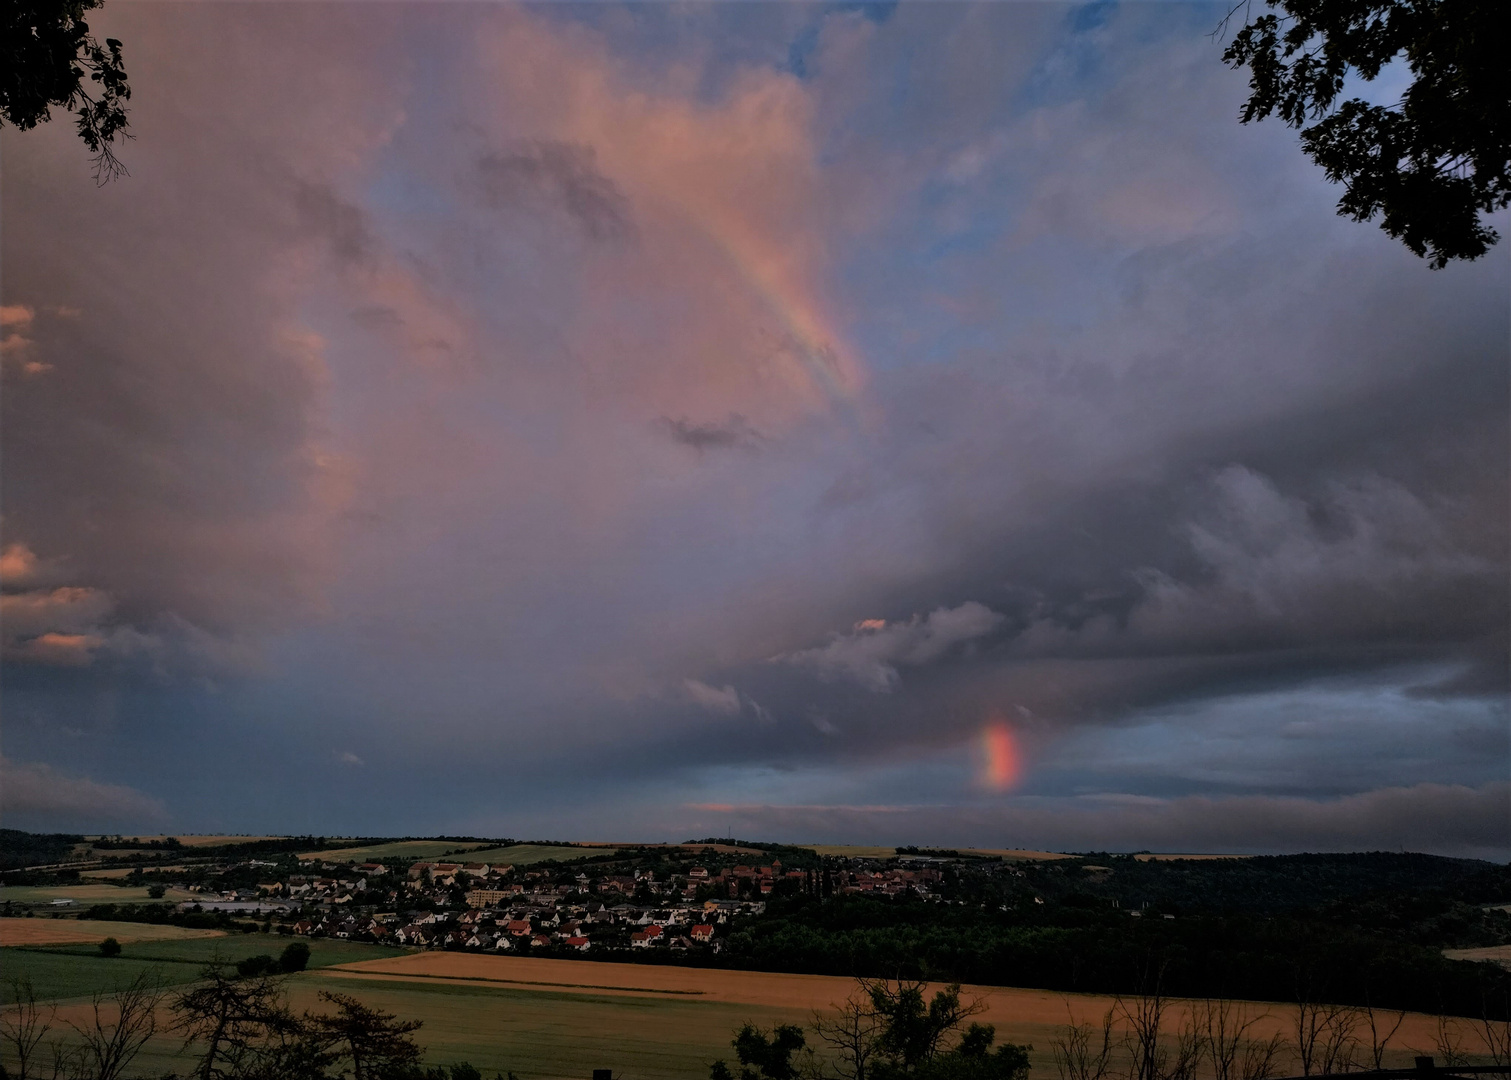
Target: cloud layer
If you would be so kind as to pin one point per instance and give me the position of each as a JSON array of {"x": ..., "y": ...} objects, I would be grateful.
[{"x": 602, "y": 406}]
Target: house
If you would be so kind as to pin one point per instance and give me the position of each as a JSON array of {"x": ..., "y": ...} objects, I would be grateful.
[
  {"x": 519, "y": 928},
  {"x": 303, "y": 927},
  {"x": 503, "y": 942},
  {"x": 643, "y": 939},
  {"x": 581, "y": 944},
  {"x": 540, "y": 941},
  {"x": 697, "y": 873},
  {"x": 413, "y": 935},
  {"x": 703, "y": 932}
]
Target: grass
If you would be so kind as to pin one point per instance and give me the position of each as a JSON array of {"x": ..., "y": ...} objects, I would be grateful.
[
  {"x": 544, "y": 1034},
  {"x": 516, "y": 854},
  {"x": 399, "y": 849},
  {"x": 98, "y": 893},
  {"x": 528, "y": 854},
  {"x": 43, "y": 932},
  {"x": 60, "y": 972}
]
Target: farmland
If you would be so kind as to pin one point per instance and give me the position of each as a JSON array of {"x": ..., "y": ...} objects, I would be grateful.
[
  {"x": 520, "y": 854},
  {"x": 544, "y": 1018},
  {"x": 72, "y": 971},
  {"x": 398, "y": 849},
  {"x": 100, "y": 893},
  {"x": 79, "y": 931}
]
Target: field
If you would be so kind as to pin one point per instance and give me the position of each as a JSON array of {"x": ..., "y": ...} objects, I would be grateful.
[
  {"x": 91, "y": 931},
  {"x": 75, "y": 971},
  {"x": 1500, "y": 954},
  {"x": 528, "y": 854},
  {"x": 561, "y": 1018},
  {"x": 115, "y": 873},
  {"x": 517, "y": 854},
  {"x": 860, "y": 851},
  {"x": 86, "y": 894},
  {"x": 198, "y": 841}
]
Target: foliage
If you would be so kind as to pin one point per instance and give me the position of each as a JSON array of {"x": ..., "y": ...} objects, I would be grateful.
[
  {"x": 48, "y": 58},
  {"x": 110, "y": 947},
  {"x": 377, "y": 1043},
  {"x": 242, "y": 1023},
  {"x": 296, "y": 957},
  {"x": 765, "y": 1056},
  {"x": 18, "y": 848},
  {"x": 1430, "y": 165}
]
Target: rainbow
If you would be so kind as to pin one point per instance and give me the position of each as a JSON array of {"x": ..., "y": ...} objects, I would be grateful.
[
  {"x": 1002, "y": 760},
  {"x": 830, "y": 366}
]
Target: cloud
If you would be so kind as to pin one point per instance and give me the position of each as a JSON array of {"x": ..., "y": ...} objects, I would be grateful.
[
  {"x": 17, "y": 315},
  {"x": 34, "y": 795},
  {"x": 714, "y": 699},
  {"x": 734, "y": 432},
  {"x": 346, "y": 757},
  {"x": 1443, "y": 819},
  {"x": 560, "y": 174},
  {"x": 18, "y": 565},
  {"x": 870, "y": 654}
]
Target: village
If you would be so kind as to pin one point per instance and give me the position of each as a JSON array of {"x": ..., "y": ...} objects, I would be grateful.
[{"x": 503, "y": 908}]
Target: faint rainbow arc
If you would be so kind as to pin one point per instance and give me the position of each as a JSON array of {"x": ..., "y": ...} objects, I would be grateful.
[{"x": 827, "y": 358}]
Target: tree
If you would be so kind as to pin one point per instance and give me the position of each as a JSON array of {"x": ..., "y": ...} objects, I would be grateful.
[
  {"x": 233, "y": 1018},
  {"x": 1432, "y": 164},
  {"x": 119, "y": 1026},
  {"x": 49, "y": 58},
  {"x": 763, "y": 1056},
  {"x": 295, "y": 957},
  {"x": 110, "y": 947},
  {"x": 22, "y": 1027},
  {"x": 378, "y": 1043},
  {"x": 912, "y": 1032},
  {"x": 854, "y": 1033}
]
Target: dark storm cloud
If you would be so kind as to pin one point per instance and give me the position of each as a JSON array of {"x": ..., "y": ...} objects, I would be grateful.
[
  {"x": 35, "y": 796},
  {"x": 558, "y": 173},
  {"x": 1446, "y": 819}
]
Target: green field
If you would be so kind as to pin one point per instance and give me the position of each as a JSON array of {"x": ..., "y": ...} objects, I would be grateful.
[
  {"x": 60, "y": 972},
  {"x": 399, "y": 849},
  {"x": 100, "y": 893},
  {"x": 516, "y": 854},
  {"x": 528, "y": 854}
]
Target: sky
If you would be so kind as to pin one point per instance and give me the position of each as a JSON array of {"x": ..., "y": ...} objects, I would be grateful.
[{"x": 919, "y": 423}]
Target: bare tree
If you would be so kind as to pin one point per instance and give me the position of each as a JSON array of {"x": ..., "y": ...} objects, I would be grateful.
[
  {"x": 119, "y": 1026},
  {"x": 1226, "y": 1024},
  {"x": 854, "y": 1033},
  {"x": 1145, "y": 1017},
  {"x": 1338, "y": 1042},
  {"x": 1449, "y": 1043},
  {"x": 22, "y": 1025},
  {"x": 1080, "y": 1053},
  {"x": 1497, "y": 1040},
  {"x": 1190, "y": 1048},
  {"x": 1382, "y": 1028},
  {"x": 1261, "y": 1060}
]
